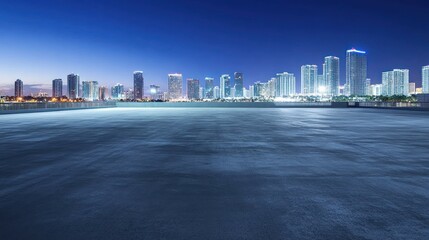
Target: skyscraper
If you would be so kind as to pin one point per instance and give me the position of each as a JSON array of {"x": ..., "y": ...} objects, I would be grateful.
[
  {"x": 201, "y": 93},
  {"x": 246, "y": 93},
  {"x": 225, "y": 86},
  {"x": 209, "y": 87},
  {"x": 238, "y": 81},
  {"x": 155, "y": 92},
  {"x": 102, "y": 93},
  {"x": 216, "y": 92},
  {"x": 90, "y": 90},
  {"x": 251, "y": 91},
  {"x": 356, "y": 72},
  {"x": 175, "y": 86},
  {"x": 138, "y": 85},
  {"x": 260, "y": 89},
  {"x": 19, "y": 88},
  {"x": 73, "y": 85},
  {"x": 412, "y": 88},
  {"x": 396, "y": 82},
  {"x": 331, "y": 75},
  {"x": 368, "y": 86},
  {"x": 376, "y": 90},
  {"x": 232, "y": 92},
  {"x": 285, "y": 84},
  {"x": 271, "y": 88},
  {"x": 309, "y": 79},
  {"x": 425, "y": 79},
  {"x": 193, "y": 89},
  {"x": 57, "y": 87},
  {"x": 118, "y": 91}
]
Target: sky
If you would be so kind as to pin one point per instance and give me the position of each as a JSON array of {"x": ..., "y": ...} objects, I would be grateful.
[{"x": 107, "y": 40}]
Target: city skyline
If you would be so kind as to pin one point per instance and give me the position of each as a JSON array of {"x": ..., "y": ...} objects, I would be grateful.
[
  {"x": 326, "y": 72},
  {"x": 312, "y": 83},
  {"x": 97, "y": 45}
]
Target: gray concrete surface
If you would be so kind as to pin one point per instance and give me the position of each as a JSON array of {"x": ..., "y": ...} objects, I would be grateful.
[{"x": 215, "y": 174}]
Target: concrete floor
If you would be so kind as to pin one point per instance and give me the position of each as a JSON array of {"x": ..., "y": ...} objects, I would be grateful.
[{"x": 215, "y": 174}]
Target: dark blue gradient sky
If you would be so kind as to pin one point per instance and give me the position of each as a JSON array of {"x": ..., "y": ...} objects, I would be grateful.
[{"x": 107, "y": 40}]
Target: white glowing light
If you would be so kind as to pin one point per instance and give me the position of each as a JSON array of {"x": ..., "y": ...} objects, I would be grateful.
[
  {"x": 322, "y": 89},
  {"x": 356, "y": 51}
]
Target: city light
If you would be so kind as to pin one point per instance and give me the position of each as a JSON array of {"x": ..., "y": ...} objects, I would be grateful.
[{"x": 322, "y": 89}]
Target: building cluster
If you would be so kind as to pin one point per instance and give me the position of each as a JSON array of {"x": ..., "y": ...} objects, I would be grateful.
[{"x": 282, "y": 85}]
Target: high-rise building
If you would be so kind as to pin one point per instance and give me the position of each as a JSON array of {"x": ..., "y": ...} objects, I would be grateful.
[
  {"x": 412, "y": 88},
  {"x": 175, "y": 81},
  {"x": 165, "y": 96},
  {"x": 344, "y": 90},
  {"x": 155, "y": 93},
  {"x": 251, "y": 91},
  {"x": 19, "y": 88},
  {"x": 118, "y": 91},
  {"x": 321, "y": 85},
  {"x": 138, "y": 85},
  {"x": 285, "y": 84},
  {"x": 425, "y": 79},
  {"x": 246, "y": 93},
  {"x": 266, "y": 89},
  {"x": 57, "y": 88},
  {"x": 396, "y": 82},
  {"x": 331, "y": 75},
  {"x": 271, "y": 87},
  {"x": 90, "y": 90},
  {"x": 225, "y": 86},
  {"x": 309, "y": 79},
  {"x": 259, "y": 89},
  {"x": 356, "y": 72},
  {"x": 209, "y": 88},
  {"x": 103, "y": 93},
  {"x": 201, "y": 93},
  {"x": 193, "y": 90},
  {"x": 238, "y": 81},
  {"x": 376, "y": 90},
  {"x": 73, "y": 85},
  {"x": 216, "y": 92},
  {"x": 232, "y": 92},
  {"x": 129, "y": 94},
  {"x": 368, "y": 86}
]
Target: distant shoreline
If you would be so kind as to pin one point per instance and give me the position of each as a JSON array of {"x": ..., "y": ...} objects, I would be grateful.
[{"x": 12, "y": 108}]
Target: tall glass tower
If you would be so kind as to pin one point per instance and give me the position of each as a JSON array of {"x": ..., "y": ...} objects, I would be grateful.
[
  {"x": 138, "y": 85},
  {"x": 193, "y": 89},
  {"x": 155, "y": 92},
  {"x": 331, "y": 75},
  {"x": 309, "y": 79},
  {"x": 356, "y": 72},
  {"x": 396, "y": 82},
  {"x": 73, "y": 84},
  {"x": 285, "y": 84},
  {"x": 102, "y": 93},
  {"x": 225, "y": 86},
  {"x": 238, "y": 81},
  {"x": 57, "y": 88},
  {"x": 425, "y": 79},
  {"x": 90, "y": 90},
  {"x": 209, "y": 84},
  {"x": 19, "y": 88},
  {"x": 175, "y": 81},
  {"x": 117, "y": 91}
]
